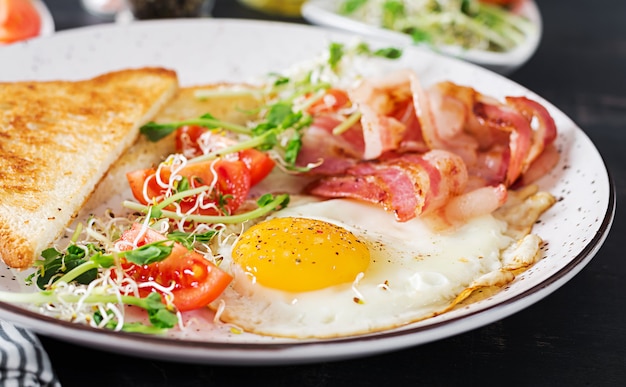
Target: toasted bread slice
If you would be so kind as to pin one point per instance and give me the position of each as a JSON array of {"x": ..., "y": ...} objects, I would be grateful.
[{"x": 57, "y": 140}]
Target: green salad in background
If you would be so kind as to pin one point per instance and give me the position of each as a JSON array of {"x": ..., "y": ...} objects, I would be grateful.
[{"x": 490, "y": 25}]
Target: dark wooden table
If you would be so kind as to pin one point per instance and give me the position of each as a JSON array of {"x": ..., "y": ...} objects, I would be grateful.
[{"x": 574, "y": 337}]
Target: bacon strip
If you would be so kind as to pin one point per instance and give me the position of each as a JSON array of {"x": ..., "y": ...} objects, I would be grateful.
[
  {"x": 540, "y": 166},
  {"x": 408, "y": 185},
  {"x": 509, "y": 120},
  {"x": 545, "y": 133},
  {"x": 416, "y": 150},
  {"x": 377, "y": 100},
  {"x": 442, "y": 120},
  {"x": 337, "y": 152},
  {"x": 388, "y": 187}
]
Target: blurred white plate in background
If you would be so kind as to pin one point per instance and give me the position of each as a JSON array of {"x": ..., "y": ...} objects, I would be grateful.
[{"x": 325, "y": 13}]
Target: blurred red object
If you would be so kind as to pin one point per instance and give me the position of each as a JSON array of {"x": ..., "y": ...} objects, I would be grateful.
[{"x": 19, "y": 20}]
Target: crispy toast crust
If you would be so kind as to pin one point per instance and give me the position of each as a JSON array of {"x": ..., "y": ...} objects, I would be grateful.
[{"x": 57, "y": 140}]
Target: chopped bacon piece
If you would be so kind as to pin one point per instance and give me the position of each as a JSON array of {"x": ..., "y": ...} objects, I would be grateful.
[
  {"x": 386, "y": 186},
  {"x": 413, "y": 140}
]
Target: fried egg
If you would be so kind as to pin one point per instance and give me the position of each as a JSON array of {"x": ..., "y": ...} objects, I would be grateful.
[{"x": 340, "y": 267}]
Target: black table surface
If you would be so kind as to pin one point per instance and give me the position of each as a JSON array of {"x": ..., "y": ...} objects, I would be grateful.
[{"x": 576, "y": 336}]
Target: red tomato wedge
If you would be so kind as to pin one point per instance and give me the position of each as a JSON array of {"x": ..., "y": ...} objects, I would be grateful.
[
  {"x": 259, "y": 163},
  {"x": 230, "y": 180},
  {"x": 187, "y": 140},
  {"x": 197, "y": 281},
  {"x": 19, "y": 20}
]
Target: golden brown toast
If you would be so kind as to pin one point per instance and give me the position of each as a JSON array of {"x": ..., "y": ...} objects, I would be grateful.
[{"x": 57, "y": 140}]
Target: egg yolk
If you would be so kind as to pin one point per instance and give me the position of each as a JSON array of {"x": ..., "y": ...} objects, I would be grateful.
[{"x": 298, "y": 254}]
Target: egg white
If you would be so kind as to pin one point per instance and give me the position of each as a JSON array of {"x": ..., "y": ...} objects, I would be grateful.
[{"x": 414, "y": 273}]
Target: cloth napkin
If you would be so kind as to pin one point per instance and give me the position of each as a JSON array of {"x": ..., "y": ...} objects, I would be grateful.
[{"x": 23, "y": 360}]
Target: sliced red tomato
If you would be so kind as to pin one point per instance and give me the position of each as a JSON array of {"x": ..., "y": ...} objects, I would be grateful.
[
  {"x": 19, "y": 20},
  {"x": 231, "y": 187},
  {"x": 259, "y": 163},
  {"x": 136, "y": 180},
  {"x": 333, "y": 100},
  {"x": 187, "y": 140},
  {"x": 197, "y": 281},
  {"x": 231, "y": 177}
]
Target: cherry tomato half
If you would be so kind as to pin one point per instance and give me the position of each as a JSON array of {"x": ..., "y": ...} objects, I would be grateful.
[
  {"x": 259, "y": 163},
  {"x": 197, "y": 281},
  {"x": 230, "y": 180},
  {"x": 187, "y": 140}
]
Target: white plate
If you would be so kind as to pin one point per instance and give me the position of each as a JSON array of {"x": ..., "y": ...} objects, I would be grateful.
[
  {"x": 324, "y": 13},
  {"x": 204, "y": 51}
]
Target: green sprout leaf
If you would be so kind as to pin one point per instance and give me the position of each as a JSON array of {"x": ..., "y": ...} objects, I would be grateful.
[
  {"x": 277, "y": 202},
  {"x": 149, "y": 253},
  {"x": 156, "y": 131},
  {"x": 189, "y": 239},
  {"x": 350, "y": 6},
  {"x": 336, "y": 51}
]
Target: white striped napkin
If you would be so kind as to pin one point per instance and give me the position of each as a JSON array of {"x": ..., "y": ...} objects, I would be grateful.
[{"x": 23, "y": 360}]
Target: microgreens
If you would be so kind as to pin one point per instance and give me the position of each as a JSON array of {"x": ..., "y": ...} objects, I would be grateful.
[
  {"x": 156, "y": 131},
  {"x": 350, "y": 6},
  {"x": 161, "y": 316},
  {"x": 81, "y": 263},
  {"x": 188, "y": 239},
  {"x": 268, "y": 204}
]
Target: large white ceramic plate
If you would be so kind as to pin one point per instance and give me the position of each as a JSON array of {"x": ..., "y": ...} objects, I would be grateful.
[
  {"x": 204, "y": 51},
  {"x": 324, "y": 13}
]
